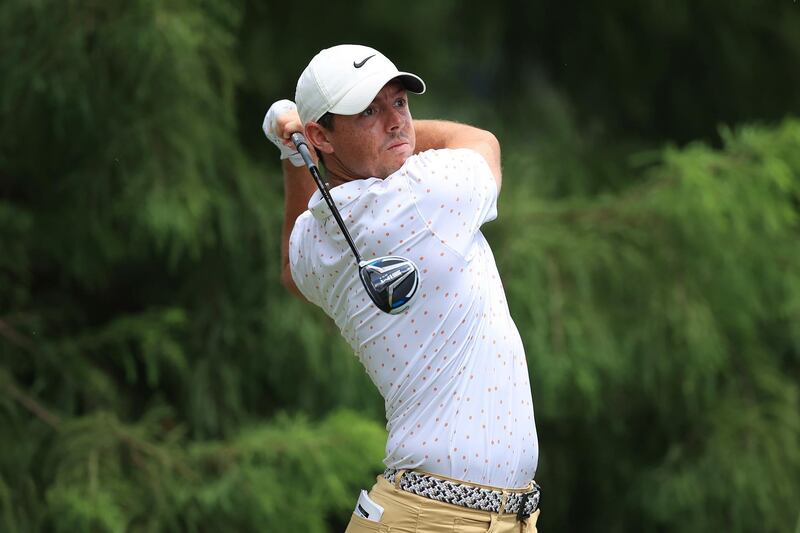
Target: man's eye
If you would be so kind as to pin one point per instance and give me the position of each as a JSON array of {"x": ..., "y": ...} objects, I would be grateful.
[
  {"x": 368, "y": 112},
  {"x": 400, "y": 102}
]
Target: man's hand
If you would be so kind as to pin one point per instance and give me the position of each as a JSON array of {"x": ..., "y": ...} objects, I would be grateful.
[{"x": 279, "y": 123}]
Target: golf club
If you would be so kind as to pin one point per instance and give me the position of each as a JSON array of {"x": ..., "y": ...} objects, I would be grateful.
[{"x": 391, "y": 281}]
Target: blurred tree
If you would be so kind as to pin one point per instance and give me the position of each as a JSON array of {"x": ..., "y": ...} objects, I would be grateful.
[
  {"x": 654, "y": 70},
  {"x": 662, "y": 329},
  {"x": 617, "y": 76},
  {"x": 138, "y": 268},
  {"x": 155, "y": 376}
]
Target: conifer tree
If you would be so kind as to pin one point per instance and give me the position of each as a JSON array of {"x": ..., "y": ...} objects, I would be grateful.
[{"x": 154, "y": 376}]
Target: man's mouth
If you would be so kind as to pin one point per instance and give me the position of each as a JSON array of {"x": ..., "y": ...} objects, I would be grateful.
[{"x": 397, "y": 144}]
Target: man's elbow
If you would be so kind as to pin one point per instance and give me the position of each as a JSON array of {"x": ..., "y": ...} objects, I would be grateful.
[
  {"x": 492, "y": 154},
  {"x": 491, "y": 140}
]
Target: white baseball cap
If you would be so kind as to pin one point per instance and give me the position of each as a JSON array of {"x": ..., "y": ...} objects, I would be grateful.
[{"x": 345, "y": 79}]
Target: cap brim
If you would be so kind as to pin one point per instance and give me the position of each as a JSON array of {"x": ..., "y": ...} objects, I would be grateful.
[{"x": 359, "y": 97}]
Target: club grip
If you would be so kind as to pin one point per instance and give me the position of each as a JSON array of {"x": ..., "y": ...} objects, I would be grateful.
[{"x": 302, "y": 147}]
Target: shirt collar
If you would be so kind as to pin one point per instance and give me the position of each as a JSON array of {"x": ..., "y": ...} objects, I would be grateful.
[{"x": 343, "y": 195}]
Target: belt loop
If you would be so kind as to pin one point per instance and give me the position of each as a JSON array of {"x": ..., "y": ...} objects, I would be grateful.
[
  {"x": 397, "y": 477},
  {"x": 493, "y": 523},
  {"x": 503, "y": 502}
]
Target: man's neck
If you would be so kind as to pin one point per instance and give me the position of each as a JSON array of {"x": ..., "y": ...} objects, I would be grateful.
[
  {"x": 335, "y": 173},
  {"x": 334, "y": 180}
]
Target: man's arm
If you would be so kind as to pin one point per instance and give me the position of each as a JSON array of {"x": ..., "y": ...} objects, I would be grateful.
[
  {"x": 444, "y": 134},
  {"x": 279, "y": 123},
  {"x": 298, "y": 186}
]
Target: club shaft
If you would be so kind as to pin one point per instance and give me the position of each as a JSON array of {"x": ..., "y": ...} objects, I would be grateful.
[{"x": 302, "y": 147}]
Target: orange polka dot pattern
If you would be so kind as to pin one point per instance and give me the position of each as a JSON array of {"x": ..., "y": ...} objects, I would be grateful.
[{"x": 451, "y": 368}]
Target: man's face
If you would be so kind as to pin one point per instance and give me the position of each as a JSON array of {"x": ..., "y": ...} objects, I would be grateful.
[{"x": 375, "y": 142}]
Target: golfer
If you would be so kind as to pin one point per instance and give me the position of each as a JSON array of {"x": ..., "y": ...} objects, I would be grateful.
[{"x": 462, "y": 448}]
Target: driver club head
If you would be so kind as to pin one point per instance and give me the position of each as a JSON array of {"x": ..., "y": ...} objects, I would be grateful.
[{"x": 391, "y": 282}]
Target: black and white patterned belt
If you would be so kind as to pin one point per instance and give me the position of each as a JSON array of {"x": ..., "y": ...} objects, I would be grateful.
[{"x": 523, "y": 504}]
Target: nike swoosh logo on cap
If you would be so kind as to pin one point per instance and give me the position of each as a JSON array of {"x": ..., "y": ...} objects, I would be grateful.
[{"x": 361, "y": 63}]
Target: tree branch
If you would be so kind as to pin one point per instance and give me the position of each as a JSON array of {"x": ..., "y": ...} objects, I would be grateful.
[
  {"x": 31, "y": 405},
  {"x": 15, "y": 337}
]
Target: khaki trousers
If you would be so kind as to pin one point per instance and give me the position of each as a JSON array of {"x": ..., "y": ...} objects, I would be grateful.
[{"x": 409, "y": 513}]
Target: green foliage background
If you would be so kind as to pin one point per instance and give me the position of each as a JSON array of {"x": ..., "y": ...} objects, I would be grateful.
[{"x": 155, "y": 376}]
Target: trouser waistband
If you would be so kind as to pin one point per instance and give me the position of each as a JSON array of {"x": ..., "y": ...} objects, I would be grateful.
[{"x": 523, "y": 504}]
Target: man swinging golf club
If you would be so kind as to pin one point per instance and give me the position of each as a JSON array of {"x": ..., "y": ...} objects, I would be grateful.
[{"x": 408, "y": 198}]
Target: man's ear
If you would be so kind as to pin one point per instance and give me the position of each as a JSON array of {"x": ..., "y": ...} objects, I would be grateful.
[{"x": 318, "y": 136}]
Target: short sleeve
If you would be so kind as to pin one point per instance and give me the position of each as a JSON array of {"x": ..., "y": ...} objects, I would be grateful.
[
  {"x": 455, "y": 192},
  {"x": 301, "y": 269}
]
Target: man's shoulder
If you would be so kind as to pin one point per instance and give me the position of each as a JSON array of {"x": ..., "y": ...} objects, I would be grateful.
[
  {"x": 458, "y": 165},
  {"x": 303, "y": 219},
  {"x": 443, "y": 154},
  {"x": 440, "y": 160},
  {"x": 302, "y": 226}
]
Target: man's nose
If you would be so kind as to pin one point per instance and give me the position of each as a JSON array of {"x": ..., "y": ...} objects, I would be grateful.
[{"x": 395, "y": 119}]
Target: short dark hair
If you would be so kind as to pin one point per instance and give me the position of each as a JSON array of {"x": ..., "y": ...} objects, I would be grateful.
[{"x": 326, "y": 121}]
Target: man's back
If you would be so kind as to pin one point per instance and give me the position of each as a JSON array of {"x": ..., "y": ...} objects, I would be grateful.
[{"x": 451, "y": 368}]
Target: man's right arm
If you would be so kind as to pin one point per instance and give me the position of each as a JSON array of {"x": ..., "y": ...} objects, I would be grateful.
[
  {"x": 298, "y": 187},
  {"x": 434, "y": 134},
  {"x": 279, "y": 123}
]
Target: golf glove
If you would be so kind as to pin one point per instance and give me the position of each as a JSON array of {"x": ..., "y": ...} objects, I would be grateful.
[{"x": 270, "y": 122}]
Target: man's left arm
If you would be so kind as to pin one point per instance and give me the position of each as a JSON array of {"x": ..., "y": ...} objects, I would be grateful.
[{"x": 445, "y": 134}]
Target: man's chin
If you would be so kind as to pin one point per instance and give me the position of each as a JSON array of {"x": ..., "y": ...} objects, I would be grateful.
[{"x": 396, "y": 166}]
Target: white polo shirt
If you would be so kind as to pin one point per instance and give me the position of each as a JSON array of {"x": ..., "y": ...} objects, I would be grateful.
[{"x": 451, "y": 368}]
